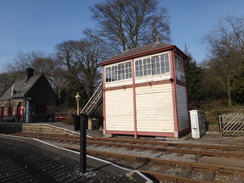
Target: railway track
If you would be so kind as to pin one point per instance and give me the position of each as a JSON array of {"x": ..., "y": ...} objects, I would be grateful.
[
  {"x": 159, "y": 168},
  {"x": 181, "y": 148},
  {"x": 176, "y": 171}
]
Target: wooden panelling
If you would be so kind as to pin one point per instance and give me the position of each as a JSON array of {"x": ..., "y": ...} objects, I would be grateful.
[
  {"x": 182, "y": 108},
  {"x": 154, "y": 108},
  {"x": 119, "y": 110},
  {"x": 152, "y": 78},
  {"x": 119, "y": 83}
]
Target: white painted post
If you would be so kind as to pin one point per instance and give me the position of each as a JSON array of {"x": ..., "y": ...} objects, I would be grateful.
[
  {"x": 77, "y": 97},
  {"x": 27, "y": 111}
]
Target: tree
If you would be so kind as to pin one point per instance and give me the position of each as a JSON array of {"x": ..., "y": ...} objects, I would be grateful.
[
  {"x": 126, "y": 24},
  {"x": 79, "y": 61},
  {"x": 6, "y": 80},
  {"x": 226, "y": 55},
  {"x": 40, "y": 62},
  {"x": 238, "y": 89},
  {"x": 69, "y": 58},
  {"x": 193, "y": 78}
]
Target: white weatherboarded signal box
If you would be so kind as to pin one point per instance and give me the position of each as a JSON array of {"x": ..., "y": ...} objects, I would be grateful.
[
  {"x": 197, "y": 124},
  {"x": 144, "y": 92}
]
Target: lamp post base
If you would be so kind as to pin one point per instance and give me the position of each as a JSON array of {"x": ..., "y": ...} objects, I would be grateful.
[{"x": 83, "y": 127}]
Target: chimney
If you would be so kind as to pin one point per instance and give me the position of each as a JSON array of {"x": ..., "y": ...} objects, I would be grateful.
[{"x": 29, "y": 73}]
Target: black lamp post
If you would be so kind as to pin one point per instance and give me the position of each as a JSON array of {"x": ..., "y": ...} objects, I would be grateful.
[{"x": 83, "y": 120}]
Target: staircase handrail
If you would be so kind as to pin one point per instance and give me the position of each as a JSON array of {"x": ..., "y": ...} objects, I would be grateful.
[
  {"x": 98, "y": 90},
  {"x": 94, "y": 103}
]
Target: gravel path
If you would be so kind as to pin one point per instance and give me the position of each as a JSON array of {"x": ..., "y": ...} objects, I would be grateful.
[{"x": 22, "y": 162}]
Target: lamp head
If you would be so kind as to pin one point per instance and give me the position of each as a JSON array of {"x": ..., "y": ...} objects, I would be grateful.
[{"x": 77, "y": 97}]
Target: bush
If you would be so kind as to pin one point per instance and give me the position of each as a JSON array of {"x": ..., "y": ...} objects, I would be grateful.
[
  {"x": 69, "y": 121},
  {"x": 212, "y": 110}
]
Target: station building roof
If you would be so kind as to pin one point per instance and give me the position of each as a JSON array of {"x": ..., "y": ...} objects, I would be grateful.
[{"x": 20, "y": 88}]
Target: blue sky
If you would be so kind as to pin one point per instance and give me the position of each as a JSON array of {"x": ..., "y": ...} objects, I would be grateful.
[{"x": 39, "y": 25}]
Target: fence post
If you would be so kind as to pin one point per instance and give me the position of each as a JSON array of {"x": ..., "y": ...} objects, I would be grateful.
[{"x": 220, "y": 125}]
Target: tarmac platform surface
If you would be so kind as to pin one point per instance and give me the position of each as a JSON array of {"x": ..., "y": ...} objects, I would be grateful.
[{"x": 15, "y": 146}]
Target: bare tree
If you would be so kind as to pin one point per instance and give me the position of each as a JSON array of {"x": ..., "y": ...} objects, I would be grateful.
[
  {"x": 226, "y": 54},
  {"x": 6, "y": 80},
  {"x": 68, "y": 56},
  {"x": 40, "y": 62},
  {"x": 79, "y": 61},
  {"x": 126, "y": 24},
  {"x": 93, "y": 52}
]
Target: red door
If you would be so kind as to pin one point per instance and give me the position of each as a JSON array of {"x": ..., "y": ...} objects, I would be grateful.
[
  {"x": 10, "y": 110},
  {"x": 19, "y": 111}
]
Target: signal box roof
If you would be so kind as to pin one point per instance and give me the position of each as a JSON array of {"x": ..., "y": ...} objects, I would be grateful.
[{"x": 142, "y": 51}]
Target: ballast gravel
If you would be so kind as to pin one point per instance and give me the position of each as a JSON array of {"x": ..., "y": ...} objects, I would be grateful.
[
  {"x": 141, "y": 153},
  {"x": 22, "y": 162}
]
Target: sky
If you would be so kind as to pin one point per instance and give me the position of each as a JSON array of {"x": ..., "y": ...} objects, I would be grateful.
[{"x": 39, "y": 25}]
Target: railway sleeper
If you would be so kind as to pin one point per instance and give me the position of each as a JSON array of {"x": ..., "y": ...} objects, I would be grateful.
[
  {"x": 206, "y": 147},
  {"x": 208, "y": 176},
  {"x": 185, "y": 172}
]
